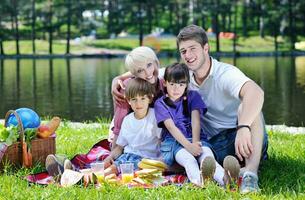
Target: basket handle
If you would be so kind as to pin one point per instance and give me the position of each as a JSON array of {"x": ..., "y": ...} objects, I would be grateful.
[{"x": 20, "y": 126}]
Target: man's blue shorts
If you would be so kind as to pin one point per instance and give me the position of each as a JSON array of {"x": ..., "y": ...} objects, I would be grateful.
[{"x": 223, "y": 144}]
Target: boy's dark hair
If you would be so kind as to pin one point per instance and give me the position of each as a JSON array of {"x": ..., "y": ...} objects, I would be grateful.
[
  {"x": 192, "y": 32},
  {"x": 139, "y": 87},
  {"x": 177, "y": 73}
]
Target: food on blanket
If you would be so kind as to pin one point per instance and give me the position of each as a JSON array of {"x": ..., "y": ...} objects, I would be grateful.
[
  {"x": 127, "y": 178},
  {"x": 29, "y": 118},
  {"x": 149, "y": 176},
  {"x": 70, "y": 177},
  {"x": 45, "y": 131},
  {"x": 111, "y": 178},
  {"x": 148, "y": 173},
  {"x": 139, "y": 180},
  {"x": 100, "y": 177},
  {"x": 152, "y": 164}
]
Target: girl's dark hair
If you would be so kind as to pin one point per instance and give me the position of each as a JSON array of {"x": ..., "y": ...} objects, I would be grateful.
[{"x": 176, "y": 73}]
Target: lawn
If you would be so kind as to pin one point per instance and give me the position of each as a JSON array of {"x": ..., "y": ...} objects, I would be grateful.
[{"x": 281, "y": 177}]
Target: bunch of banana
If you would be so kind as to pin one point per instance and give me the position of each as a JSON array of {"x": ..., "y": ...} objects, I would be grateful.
[{"x": 152, "y": 164}]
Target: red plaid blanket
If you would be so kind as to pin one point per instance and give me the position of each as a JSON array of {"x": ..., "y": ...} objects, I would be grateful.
[{"x": 98, "y": 152}]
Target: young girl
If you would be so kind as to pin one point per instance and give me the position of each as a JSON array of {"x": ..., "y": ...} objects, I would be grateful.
[
  {"x": 139, "y": 136},
  {"x": 178, "y": 114}
]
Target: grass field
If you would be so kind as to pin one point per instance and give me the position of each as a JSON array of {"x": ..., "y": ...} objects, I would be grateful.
[
  {"x": 281, "y": 177},
  {"x": 249, "y": 44}
]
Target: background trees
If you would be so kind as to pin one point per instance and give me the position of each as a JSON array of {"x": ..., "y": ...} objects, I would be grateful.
[{"x": 69, "y": 19}]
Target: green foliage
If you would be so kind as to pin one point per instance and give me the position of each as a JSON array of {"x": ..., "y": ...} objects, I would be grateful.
[
  {"x": 29, "y": 135},
  {"x": 281, "y": 177},
  {"x": 9, "y": 135}
]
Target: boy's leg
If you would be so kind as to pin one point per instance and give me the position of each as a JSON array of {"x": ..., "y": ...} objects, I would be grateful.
[{"x": 188, "y": 161}]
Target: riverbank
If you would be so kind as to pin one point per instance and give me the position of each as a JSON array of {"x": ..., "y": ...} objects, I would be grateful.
[
  {"x": 117, "y": 53},
  {"x": 164, "y": 46}
]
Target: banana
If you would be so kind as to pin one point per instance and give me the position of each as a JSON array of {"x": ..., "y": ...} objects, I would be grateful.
[{"x": 154, "y": 163}]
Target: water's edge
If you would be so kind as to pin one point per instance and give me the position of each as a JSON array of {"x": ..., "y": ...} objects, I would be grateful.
[{"x": 273, "y": 128}]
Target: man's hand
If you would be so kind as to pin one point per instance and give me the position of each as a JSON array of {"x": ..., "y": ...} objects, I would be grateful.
[
  {"x": 194, "y": 148},
  {"x": 243, "y": 144},
  {"x": 116, "y": 85}
]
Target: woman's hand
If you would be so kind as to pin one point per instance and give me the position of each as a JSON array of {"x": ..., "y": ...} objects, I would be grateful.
[{"x": 116, "y": 86}]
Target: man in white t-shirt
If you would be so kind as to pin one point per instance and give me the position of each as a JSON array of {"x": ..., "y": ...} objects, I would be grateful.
[{"x": 233, "y": 122}]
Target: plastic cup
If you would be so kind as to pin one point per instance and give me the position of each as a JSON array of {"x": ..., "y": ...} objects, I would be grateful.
[
  {"x": 127, "y": 172},
  {"x": 98, "y": 169}
]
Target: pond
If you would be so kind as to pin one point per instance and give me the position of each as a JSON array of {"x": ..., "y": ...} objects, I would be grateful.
[{"x": 80, "y": 89}]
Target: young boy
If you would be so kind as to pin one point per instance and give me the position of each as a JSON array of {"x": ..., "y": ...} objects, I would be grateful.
[{"x": 139, "y": 134}]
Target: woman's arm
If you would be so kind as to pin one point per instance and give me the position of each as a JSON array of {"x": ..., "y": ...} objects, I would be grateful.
[
  {"x": 117, "y": 84},
  {"x": 193, "y": 148}
]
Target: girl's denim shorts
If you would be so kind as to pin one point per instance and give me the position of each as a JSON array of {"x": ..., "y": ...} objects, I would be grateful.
[{"x": 170, "y": 146}]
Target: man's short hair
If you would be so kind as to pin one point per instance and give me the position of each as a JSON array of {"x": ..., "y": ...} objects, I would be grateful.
[
  {"x": 192, "y": 32},
  {"x": 139, "y": 56}
]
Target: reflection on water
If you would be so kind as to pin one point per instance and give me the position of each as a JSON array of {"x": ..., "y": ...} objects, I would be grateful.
[{"x": 79, "y": 89}]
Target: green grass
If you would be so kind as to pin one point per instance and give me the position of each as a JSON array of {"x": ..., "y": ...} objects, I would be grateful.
[
  {"x": 281, "y": 177},
  {"x": 249, "y": 44}
]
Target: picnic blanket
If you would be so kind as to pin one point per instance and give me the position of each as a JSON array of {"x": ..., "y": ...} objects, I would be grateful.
[{"x": 98, "y": 152}]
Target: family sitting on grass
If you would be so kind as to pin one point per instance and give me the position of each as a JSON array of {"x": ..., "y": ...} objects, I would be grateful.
[{"x": 203, "y": 114}]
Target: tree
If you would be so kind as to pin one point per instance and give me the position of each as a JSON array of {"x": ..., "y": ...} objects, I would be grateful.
[
  {"x": 14, "y": 14},
  {"x": 33, "y": 26},
  {"x": 68, "y": 26}
]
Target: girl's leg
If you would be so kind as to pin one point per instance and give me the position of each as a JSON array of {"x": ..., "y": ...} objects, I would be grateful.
[
  {"x": 219, "y": 171},
  {"x": 188, "y": 161}
]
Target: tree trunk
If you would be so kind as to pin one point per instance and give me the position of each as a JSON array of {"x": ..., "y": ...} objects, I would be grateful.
[
  {"x": 33, "y": 27},
  {"x": 261, "y": 20},
  {"x": 15, "y": 19},
  {"x": 291, "y": 25},
  {"x": 235, "y": 27},
  {"x": 1, "y": 39},
  {"x": 216, "y": 25},
  {"x": 68, "y": 27},
  {"x": 230, "y": 19},
  {"x": 50, "y": 28},
  {"x": 140, "y": 23},
  {"x": 244, "y": 18},
  {"x": 149, "y": 16}
]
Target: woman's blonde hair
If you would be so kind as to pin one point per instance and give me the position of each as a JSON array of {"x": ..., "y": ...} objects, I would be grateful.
[{"x": 140, "y": 56}]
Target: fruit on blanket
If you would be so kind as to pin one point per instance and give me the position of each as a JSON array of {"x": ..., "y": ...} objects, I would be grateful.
[
  {"x": 152, "y": 164},
  {"x": 45, "y": 131}
]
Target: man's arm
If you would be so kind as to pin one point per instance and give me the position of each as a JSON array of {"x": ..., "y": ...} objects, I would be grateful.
[{"x": 252, "y": 99}]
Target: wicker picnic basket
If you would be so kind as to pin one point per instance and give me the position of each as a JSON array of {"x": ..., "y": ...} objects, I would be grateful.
[{"x": 40, "y": 149}]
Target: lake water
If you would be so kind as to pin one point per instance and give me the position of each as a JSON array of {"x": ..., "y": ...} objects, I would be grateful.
[{"x": 79, "y": 89}]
